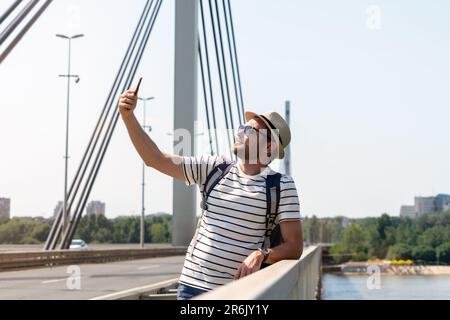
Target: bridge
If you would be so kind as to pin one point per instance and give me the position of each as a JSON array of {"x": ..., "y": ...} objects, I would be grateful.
[
  {"x": 145, "y": 274},
  {"x": 206, "y": 62}
]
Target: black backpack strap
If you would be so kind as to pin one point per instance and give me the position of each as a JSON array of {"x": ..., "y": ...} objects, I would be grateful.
[
  {"x": 273, "y": 201},
  {"x": 213, "y": 178}
]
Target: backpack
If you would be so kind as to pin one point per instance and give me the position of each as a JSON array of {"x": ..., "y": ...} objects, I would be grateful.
[{"x": 272, "y": 237}]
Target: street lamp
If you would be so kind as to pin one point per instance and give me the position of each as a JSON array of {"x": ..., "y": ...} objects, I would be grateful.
[
  {"x": 144, "y": 125},
  {"x": 66, "y": 157}
]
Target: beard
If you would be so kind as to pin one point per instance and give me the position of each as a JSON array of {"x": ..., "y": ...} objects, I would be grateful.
[
  {"x": 244, "y": 152},
  {"x": 240, "y": 150}
]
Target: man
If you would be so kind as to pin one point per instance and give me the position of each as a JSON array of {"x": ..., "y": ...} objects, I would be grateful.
[{"x": 229, "y": 240}]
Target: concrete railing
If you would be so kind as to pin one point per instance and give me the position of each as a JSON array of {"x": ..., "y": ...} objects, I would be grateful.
[
  {"x": 285, "y": 280},
  {"x": 23, "y": 260}
]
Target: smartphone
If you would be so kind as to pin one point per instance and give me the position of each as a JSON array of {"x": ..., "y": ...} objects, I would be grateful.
[{"x": 138, "y": 86}]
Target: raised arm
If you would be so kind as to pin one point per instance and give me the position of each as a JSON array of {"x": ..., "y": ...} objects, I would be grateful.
[{"x": 166, "y": 163}]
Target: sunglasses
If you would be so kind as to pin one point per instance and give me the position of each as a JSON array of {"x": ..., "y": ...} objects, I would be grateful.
[{"x": 247, "y": 130}]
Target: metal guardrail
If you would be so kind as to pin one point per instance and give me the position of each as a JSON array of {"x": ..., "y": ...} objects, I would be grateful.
[
  {"x": 284, "y": 280},
  {"x": 26, "y": 260},
  {"x": 165, "y": 290}
]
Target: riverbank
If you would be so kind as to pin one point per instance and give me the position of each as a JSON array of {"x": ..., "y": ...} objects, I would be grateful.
[{"x": 386, "y": 268}]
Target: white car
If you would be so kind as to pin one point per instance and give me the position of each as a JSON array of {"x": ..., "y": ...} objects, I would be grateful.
[{"x": 78, "y": 244}]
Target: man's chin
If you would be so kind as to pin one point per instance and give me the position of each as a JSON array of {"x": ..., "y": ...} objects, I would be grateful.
[
  {"x": 243, "y": 157},
  {"x": 239, "y": 152}
]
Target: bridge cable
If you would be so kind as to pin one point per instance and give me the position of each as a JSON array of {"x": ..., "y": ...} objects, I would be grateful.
[
  {"x": 24, "y": 30},
  {"x": 205, "y": 97},
  {"x": 233, "y": 69},
  {"x": 56, "y": 228},
  {"x": 219, "y": 26},
  {"x": 9, "y": 11},
  {"x": 208, "y": 65},
  {"x": 100, "y": 157},
  {"x": 219, "y": 68},
  {"x": 233, "y": 37},
  {"x": 17, "y": 20}
]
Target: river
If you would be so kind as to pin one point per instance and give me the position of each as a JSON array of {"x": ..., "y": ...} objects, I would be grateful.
[{"x": 391, "y": 287}]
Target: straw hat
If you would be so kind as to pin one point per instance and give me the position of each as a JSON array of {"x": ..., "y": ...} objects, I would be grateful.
[{"x": 278, "y": 127}]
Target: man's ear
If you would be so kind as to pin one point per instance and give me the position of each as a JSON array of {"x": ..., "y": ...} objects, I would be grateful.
[
  {"x": 269, "y": 148},
  {"x": 272, "y": 149}
]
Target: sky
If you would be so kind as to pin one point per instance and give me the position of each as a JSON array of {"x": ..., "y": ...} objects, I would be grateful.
[{"x": 368, "y": 83}]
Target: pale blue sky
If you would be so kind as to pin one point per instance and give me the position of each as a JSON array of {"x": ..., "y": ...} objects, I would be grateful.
[{"x": 370, "y": 108}]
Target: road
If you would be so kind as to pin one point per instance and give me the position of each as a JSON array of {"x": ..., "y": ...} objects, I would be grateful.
[{"x": 95, "y": 279}]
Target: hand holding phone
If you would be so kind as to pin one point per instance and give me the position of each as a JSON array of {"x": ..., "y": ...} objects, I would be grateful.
[{"x": 128, "y": 101}]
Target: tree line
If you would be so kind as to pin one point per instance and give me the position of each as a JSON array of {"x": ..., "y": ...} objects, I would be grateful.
[
  {"x": 92, "y": 229},
  {"x": 425, "y": 239}
]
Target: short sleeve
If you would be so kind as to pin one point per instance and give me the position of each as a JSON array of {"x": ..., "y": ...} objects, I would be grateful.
[
  {"x": 196, "y": 169},
  {"x": 289, "y": 207}
]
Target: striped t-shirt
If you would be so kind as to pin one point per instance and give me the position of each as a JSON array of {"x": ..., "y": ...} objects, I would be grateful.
[{"x": 234, "y": 224}]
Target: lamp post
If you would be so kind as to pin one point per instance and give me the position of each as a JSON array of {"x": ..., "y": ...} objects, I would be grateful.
[
  {"x": 66, "y": 157},
  {"x": 144, "y": 125}
]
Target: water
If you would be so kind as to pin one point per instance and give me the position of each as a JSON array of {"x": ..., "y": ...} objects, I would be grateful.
[{"x": 408, "y": 287}]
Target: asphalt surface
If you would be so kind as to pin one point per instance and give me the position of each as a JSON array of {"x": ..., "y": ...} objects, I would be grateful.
[{"x": 94, "y": 280}]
